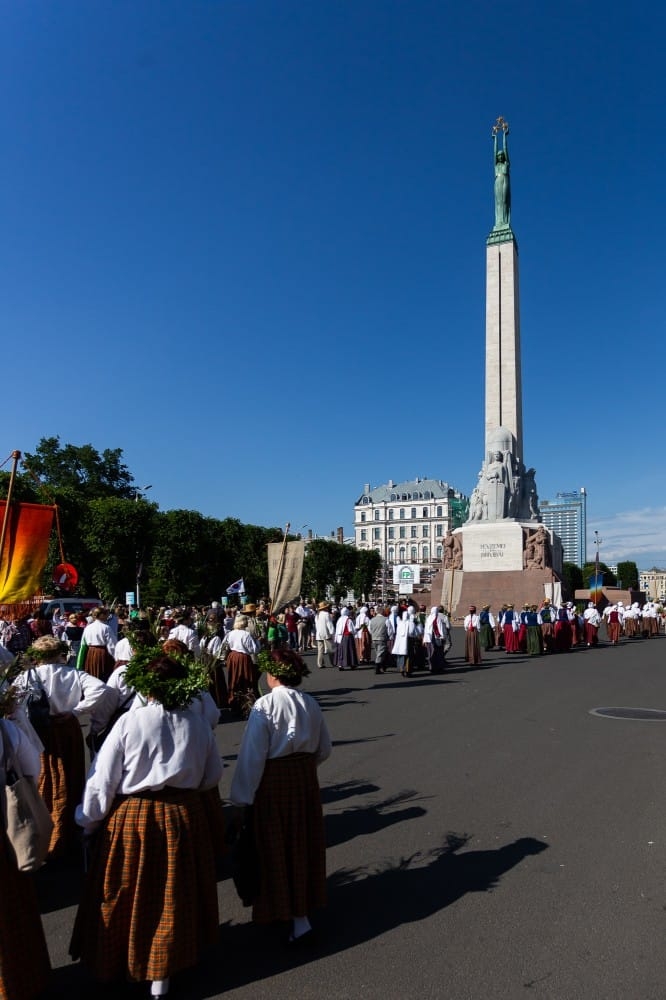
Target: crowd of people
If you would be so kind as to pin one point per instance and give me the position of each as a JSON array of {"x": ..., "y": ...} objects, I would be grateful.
[
  {"x": 149, "y": 813},
  {"x": 153, "y": 685}
]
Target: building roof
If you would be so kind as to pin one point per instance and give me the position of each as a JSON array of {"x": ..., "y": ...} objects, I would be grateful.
[{"x": 409, "y": 490}]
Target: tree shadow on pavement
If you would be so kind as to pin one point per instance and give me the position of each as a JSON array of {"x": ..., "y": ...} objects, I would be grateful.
[
  {"x": 345, "y": 789},
  {"x": 358, "y": 821}
]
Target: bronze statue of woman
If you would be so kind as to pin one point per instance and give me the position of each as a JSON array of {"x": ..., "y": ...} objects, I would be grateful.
[{"x": 502, "y": 177}]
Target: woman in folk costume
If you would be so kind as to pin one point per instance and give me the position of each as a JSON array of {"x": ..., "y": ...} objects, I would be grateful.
[
  {"x": 510, "y": 628},
  {"x": 149, "y": 905},
  {"x": 24, "y": 961},
  {"x": 533, "y": 623},
  {"x": 98, "y": 646},
  {"x": 562, "y": 631},
  {"x": 212, "y": 653},
  {"x": 591, "y": 623},
  {"x": 70, "y": 694},
  {"x": 284, "y": 742},
  {"x": 547, "y": 626},
  {"x": 436, "y": 634},
  {"x": 363, "y": 637},
  {"x": 614, "y": 625},
  {"x": 345, "y": 645},
  {"x": 487, "y": 632},
  {"x": 472, "y": 626},
  {"x": 404, "y": 631},
  {"x": 522, "y": 629},
  {"x": 242, "y": 672}
]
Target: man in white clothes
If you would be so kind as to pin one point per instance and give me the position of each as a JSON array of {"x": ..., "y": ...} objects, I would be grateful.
[
  {"x": 183, "y": 631},
  {"x": 324, "y": 632}
]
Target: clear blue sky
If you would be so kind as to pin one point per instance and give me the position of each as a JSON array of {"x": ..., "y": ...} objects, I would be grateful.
[{"x": 245, "y": 242}]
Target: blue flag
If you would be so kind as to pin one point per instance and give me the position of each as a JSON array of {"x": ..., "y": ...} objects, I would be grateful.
[{"x": 237, "y": 588}]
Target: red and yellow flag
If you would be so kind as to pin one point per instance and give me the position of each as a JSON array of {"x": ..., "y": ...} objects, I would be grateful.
[{"x": 25, "y": 549}]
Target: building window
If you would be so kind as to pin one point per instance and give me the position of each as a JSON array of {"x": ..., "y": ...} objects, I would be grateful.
[
  {"x": 413, "y": 531},
  {"x": 426, "y": 553},
  {"x": 440, "y": 512},
  {"x": 363, "y": 515},
  {"x": 439, "y": 529},
  {"x": 439, "y": 552},
  {"x": 391, "y": 513},
  {"x": 376, "y": 515},
  {"x": 425, "y": 531},
  {"x": 425, "y": 511},
  {"x": 413, "y": 513},
  {"x": 391, "y": 554},
  {"x": 377, "y": 533},
  {"x": 364, "y": 535},
  {"x": 414, "y": 556},
  {"x": 391, "y": 532},
  {"x": 402, "y": 531},
  {"x": 402, "y": 514},
  {"x": 402, "y": 553}
]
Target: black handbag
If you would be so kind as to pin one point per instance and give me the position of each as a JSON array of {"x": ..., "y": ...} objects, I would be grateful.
[{"x": 245, "y": 862}]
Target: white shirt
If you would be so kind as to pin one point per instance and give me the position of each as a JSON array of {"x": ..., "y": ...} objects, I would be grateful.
[
  {"x": 99, "y": 634},
  {"x": 344, "y": 625},
  {"x": 186, "y": 635},
  {"x": 283, "y": 722},
  {"x": 123, "y": 651},
  {"x": 147, "y": 749},
  {"x": 71, "y": 690},
  {"x": 472, "y": 622},
  {"x": 324, "y": 628},
  {"x": 404, "y": 629},
  {"x": 20, "y": 749},
  {"x": 240, "y": 641}
]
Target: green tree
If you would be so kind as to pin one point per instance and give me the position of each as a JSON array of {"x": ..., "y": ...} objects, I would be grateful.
[
  {"x": 627, "y": 572},
  {"x": 589, "y": 570},
  {"x": 328, "y": 565},
  {"x": 368, "y": 564},
  {"x": 117, "y": 536},
  {"x": 572, "y": 579},
  {"x": 79, "y": 469}
]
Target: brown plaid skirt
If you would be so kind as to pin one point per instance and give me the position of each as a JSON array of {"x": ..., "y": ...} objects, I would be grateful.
[
  {"x": 242, "y": 679},
  {"x": 289, "y": 833},
  {"x": 149, "y": 905},
  {"x": 24, "y": 960},
  {"x": 61, "y": 780}
]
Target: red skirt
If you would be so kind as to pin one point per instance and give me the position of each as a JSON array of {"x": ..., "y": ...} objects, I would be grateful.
[
  {"x": 149, "y": 905},
  {"x": 289, "y": 833},
  {"x": 24, "y": 959},
  {"x": 62, "y": 779},
  {"x": 510, "y": 639},
  {"x": 242, "y": 680},
  {"x": 99, "y": 662}
]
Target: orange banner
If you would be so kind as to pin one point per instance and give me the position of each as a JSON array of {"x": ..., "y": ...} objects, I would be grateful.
[{"x": 24, "y": 551}]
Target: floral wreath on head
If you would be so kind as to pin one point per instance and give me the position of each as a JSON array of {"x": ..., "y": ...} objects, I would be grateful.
[
  {"x": 172, "y": 692},
  {"x": 290, "y": 672}
]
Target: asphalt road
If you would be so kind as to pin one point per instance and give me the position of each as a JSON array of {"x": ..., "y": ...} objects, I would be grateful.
[{"x": 488, "y": 838}]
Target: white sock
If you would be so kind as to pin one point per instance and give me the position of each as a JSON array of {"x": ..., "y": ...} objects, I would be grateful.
[
  {"x": 159, "y": 987},
  {"x": 301, "y": 926}
]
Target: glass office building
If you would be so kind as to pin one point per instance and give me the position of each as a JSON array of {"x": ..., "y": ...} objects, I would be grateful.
[{"x": 567, "y": 517}]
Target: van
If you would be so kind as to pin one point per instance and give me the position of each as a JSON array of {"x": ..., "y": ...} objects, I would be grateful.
[{"x": 68, "y": 606}]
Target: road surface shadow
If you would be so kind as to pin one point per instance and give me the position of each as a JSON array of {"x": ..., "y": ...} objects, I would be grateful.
[{"x": 358, "y": 821}]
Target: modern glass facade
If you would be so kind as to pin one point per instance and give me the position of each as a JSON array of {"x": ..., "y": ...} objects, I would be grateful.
[{"x": 567, "y": 517}]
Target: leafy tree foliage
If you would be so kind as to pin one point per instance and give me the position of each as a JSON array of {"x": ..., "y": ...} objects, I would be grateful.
[
  {"x": 627, "y": 572},
  {"x": 368, "y": 564},
  {"x": 79, "y": 469},
  {"x": 116, "y": 534},
  {"x": 572, "y": 580},
  {"x": 589, "y": 570}
]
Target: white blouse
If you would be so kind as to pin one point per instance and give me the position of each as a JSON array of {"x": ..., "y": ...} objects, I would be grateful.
[
  {"x": 21, "y": 749},
  {"x": 241, "y": 641},
  {"x": 99, "y": 634},
  {"x": 149, "y": 748},
  {"x": 283, "y": 722},
  {"x": 71, "y": 690}
]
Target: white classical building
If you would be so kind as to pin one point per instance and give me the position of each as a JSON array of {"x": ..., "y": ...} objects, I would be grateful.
[{"x": 406, "y": 522}]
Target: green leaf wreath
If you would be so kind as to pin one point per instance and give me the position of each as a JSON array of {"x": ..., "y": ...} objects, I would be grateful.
[{"x": 173, "y": 692}]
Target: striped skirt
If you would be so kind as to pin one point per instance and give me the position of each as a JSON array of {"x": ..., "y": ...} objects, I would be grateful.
[
  {"x": 149, "y": 905},
  {"x": 61, "y": 781},
  {"x": 289, "y": 834},
  {"x": 24, "y": 960}
]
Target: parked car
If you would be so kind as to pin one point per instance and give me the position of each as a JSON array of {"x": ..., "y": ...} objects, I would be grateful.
[{"x": 69, "y": 605}]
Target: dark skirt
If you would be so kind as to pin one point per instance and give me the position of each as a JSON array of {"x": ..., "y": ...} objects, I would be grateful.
[
  {"x": 345, "y": 652},
  {"x": 487, "y": 636},
  {"x": 62, "y": 779},
  {"x": 436, "y": 656},
  {"x": 149, "y": 906},
  {"x": 99, "y": 662},
  {"x": 242, "y": 681},
  {"x": 562, "y": 636},
  {"x": 24, "y": 959},
  {"x": 472, "y": 646},
  {"x": 534, "y": 640},
  {"x": 289, "y": 834},
  {"x": 548, "y": 636}
]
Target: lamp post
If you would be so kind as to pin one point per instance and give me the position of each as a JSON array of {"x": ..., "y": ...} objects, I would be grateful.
[{"x": 139, "y": 562}]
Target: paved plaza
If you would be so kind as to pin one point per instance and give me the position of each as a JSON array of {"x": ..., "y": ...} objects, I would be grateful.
[{"x": 488, "y": 838}]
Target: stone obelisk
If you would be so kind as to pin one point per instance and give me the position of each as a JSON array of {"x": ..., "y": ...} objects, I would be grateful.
[{"x": 503, "y": 552}]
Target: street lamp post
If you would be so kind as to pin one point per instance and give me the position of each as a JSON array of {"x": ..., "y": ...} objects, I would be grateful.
[{"x": 139, "y": 561}]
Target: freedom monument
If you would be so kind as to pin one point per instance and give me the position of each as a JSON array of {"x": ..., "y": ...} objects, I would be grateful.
[{"x": 503, "y": 553}]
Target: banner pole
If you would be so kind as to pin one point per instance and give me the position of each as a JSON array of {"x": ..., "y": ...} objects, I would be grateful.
[
  {"x": 278, "y": 575},
  {"x": 16, "y": 455}
]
